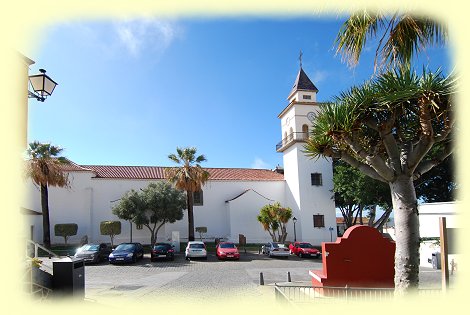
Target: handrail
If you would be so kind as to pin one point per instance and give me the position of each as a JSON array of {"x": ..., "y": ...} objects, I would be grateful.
[
  {"x": 290, "y": 138},
  {"x": 36, "y": 249}
]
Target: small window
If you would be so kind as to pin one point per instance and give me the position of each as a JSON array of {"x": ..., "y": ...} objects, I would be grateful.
[
  {"x": 307, "y": 97},
  {"x": 197, "y": 198},
  {"x": 318, "y": 220},
  {"x": 316, "y": 179}
]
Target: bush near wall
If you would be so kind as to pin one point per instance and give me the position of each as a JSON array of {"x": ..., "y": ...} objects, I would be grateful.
[
  {"x": 111, "y": 228},
  {"x": 65, "y": 230}
]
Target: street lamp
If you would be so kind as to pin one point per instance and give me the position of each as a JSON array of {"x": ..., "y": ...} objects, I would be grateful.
[
  {"x": 42, "y": 85},
  {"x": 331, "y": 233},
  {"x": 294, "y": 219}
]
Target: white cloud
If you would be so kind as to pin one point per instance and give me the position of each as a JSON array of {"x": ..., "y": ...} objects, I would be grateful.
[
  {"x": 259, "y": 163},
  {"x": 146, "y": 34},
  {"x": 319, "y": 76}
]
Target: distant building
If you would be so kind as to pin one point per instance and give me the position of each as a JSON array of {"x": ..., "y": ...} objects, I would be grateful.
[{"x": 227, "y": 205}]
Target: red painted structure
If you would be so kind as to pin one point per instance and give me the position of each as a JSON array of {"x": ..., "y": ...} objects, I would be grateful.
[{"x": 362, "y": 257}]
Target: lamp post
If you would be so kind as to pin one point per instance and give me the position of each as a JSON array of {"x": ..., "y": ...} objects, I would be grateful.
[
  {"x": 294, "y": 219},
  {"x": 331, "y": 233}
]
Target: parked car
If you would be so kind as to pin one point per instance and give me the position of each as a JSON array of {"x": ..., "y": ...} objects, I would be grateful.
[
  {"x": 303, "y": 249},
  {"x": 127, "y": 252},
  {"x": 195, "y": 249},
  {"x": 226, "y": 250},
  {"x": 162, "y": 250},
  {"x": 93, "y": 252},
  {"x": 275, "y": 249}
]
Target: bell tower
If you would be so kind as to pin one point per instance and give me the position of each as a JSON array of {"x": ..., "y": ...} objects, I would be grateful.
[{"x": 309, "y": 183}]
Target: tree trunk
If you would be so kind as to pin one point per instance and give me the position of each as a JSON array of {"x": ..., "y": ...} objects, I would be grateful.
[
  {"x": 46, "y": 226},
  {"x": 407, "y": 234},
  {"x": 189, "y": 197}
]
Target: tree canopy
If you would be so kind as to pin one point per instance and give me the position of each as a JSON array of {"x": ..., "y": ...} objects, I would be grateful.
[
  {"x": 399, "y": 37},
  {"x": 273, "y": 218},
  {"x": 357, "y": 194},
  {"x": 152, "y": 207}
]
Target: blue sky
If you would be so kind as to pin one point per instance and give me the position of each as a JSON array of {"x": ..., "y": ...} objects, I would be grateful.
[{"x": 131, "y": 91}]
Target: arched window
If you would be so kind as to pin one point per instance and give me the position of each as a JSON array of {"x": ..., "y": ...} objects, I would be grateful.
[
  {"x": 291, "y": 133},
  {"x": 304, "y": 132}
]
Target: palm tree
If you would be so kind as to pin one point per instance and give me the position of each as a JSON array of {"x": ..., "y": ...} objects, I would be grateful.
[
  {"x": 45, "y": 169},
  {"x": 400, "y": 37},
  {"x": 189, "y": 176},
  {"x": 385, "y": 128}
]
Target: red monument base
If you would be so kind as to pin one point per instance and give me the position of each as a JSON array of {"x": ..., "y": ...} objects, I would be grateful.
[{"x": 362, "y": 257}]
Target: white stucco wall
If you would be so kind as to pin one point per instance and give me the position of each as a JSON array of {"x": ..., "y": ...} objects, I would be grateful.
[
  {"x": 89, "y": 201},
  {"x": 304, "y": 198}
]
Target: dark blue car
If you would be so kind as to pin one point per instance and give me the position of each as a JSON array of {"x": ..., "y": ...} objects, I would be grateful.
[{"x": 126, "y": 252}]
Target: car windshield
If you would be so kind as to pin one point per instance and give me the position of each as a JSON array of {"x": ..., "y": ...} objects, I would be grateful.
[
  {"x": 125, "y": 247},
  {"x": 196, "y": 245},
  {"x": 162, "y": 246},
  {"x": 278, "y": 245},
  {"x": 227, "y": 245},
  {"x": 305, "y": 245},
  {"x": 92, "y": 248}
]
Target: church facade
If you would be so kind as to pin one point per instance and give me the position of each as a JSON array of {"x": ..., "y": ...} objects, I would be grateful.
[{"x": 229, "y": 202}]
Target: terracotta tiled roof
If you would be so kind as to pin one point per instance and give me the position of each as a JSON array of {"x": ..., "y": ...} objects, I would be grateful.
[{"x": 157, "y": 172}]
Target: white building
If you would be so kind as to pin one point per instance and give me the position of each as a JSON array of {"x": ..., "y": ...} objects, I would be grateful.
[
  {"x": 231, "y": 199},
  {"x": 429, "y": 228}
]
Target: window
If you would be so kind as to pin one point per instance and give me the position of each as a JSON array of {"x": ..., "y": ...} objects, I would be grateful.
[
  {"x": 318, "y": 220},
  {"x": 197, "y": 198},
  {"x": 304, "y": 132},
  {"x": 307, "y": 97},
  {"x": 316, "y": 179}
]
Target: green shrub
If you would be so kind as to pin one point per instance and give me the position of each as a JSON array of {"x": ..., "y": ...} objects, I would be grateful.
[
  {"x": 110, "y": 228},
  {"x": 65, "y": 230}
]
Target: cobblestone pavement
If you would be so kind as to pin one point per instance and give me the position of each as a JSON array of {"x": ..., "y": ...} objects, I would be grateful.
[
  {"x": 199, "y": 280},
  {"x": 195, "y": 279}
]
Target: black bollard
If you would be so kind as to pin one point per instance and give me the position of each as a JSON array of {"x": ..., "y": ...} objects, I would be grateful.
[
  {"x": 288, "y": 277},
  {"x": 261, "y": 279}
]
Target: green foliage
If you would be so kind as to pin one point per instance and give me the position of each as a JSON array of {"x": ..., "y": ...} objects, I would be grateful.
[
  {"x": 65, "y": 230},
  {"x": 111, "y": 228},
  {"x": 401, "y": 35},
  {"x": 152, "y": 207},
  {"x": 355, "y": 192},
  {"x": 201, "y": 230},
  {"x": 273, "y": 218}
]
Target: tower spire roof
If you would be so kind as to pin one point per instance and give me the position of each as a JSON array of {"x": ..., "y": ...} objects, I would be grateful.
[{"x": 302, "y": 82}]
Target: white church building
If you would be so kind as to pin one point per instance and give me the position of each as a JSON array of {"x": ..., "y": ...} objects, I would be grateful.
[{"x": 229, "y": 202}]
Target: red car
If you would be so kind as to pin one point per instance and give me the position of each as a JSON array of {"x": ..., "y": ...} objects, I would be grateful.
[
  {"x": 303, "y": 249},
  {"x": 225, "y": 250}
]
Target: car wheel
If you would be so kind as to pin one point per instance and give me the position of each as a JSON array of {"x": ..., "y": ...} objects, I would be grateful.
[
  {"x": 134, "y": 258},
  {"x": 301, "y": 255}
]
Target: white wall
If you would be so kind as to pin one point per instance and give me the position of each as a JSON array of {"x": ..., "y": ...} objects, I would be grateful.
[
  {"x": 243, "y": 212},
  {"x": 89, "y": 201}
]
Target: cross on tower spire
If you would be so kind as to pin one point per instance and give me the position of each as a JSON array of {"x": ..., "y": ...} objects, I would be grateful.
[{"x": 300, "y": 58}]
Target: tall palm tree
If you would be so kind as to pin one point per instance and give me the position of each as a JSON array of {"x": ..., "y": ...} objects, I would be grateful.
[
  {"x": 399, "y": 36},
  {"x": 45, "y": 169},
  {"x": 189, "y": 176}
]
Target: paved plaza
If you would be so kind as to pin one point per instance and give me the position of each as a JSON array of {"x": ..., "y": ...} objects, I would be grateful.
[{"x": 197, "y": 280}]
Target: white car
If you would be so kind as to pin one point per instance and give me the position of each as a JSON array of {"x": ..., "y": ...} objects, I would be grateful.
[
  {"x": 195, "y": 249},
  {"x": 275, "y": 249}
]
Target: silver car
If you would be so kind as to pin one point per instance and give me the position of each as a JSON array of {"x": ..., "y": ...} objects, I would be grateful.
[{"x": 275, "y": 249}]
